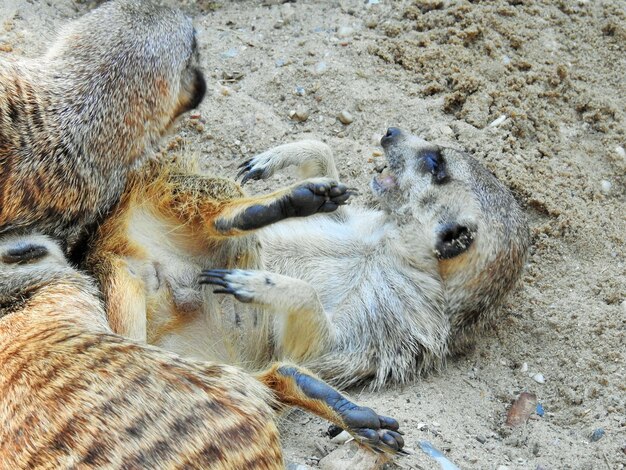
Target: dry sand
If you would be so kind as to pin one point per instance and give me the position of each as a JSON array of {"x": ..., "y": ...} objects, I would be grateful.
[{"x": 448, "y": 69}]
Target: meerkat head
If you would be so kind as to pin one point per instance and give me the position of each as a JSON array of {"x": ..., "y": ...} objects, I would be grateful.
[
  {"x": 126, "y": 71},
  {"x": 474, "y": 227}
]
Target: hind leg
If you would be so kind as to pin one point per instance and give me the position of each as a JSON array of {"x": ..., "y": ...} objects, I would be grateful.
[
  {"x": 294, "y": 386},
  {"x": 311, "y": 157}
]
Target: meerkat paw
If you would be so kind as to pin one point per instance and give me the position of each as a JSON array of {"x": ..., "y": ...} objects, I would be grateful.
[
  {"x": 245, "y": 286},
  {"x": 380, "y": 433},
  {"x": 314, "y": 196},
  {"x": 259, "y": 167},
  {"x": 313, "y": 158}
]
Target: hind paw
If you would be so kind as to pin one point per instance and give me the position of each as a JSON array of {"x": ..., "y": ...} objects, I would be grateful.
[{"x": 380, "y": 433}]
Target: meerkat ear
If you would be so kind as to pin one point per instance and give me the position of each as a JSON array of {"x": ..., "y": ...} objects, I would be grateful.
[
  {"x": 452, "y": 240},
  {"x": 24, "y": 252}
]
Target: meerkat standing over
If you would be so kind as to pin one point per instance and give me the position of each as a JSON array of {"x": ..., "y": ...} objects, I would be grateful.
[
  {"x": 76, "y": 121},
  {"x": 75, "y": 395}
]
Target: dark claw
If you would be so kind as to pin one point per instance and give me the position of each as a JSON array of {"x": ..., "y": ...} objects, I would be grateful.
[
  {"x": 252, "y": 175},
  {"x": 214, "y": 281},
  {"x": 224, "y": 291},
  {"x": 242, "y": 171},
  {"x": 246, "y": 163}
]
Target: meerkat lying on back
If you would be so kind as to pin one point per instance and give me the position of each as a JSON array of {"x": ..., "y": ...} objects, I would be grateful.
[
  {"x": 393, "y": 290},
  {"x": 75, "y": 395},
  {"x": 358, "y": 295},
  {"x": 76, "y": 121}
]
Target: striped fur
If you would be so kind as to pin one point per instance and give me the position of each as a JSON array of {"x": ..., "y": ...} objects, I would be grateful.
[
  {"x": 76, "y": 121},
  {"x": 74, "y": 395}
]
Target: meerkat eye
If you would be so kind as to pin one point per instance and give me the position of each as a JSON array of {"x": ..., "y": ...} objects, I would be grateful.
[
  {"x": 431, "y": 161},
  {"x": 23, "y": 253}
]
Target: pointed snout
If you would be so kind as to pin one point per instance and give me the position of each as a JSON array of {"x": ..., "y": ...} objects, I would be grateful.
[{"x": 392, "y": 135}]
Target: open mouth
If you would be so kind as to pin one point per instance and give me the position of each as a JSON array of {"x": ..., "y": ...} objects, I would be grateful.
[{"x": 384, "y": 181}]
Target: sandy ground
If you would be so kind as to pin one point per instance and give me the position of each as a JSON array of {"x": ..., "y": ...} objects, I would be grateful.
[{"x": 448, "y": 69}]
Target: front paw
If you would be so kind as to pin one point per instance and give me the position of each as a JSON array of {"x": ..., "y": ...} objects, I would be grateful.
[
  {"x": 314, "y": 196},
  {"x": 258, "y": 167},
  {"x": 237, "y": 282}
]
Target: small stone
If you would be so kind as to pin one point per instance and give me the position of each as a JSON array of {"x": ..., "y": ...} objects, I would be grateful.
[
  {"x": 300, "y": 114},
  {"x": 620, "y": 151},
  {"x": 300, "y": 91},
  {"x": 539, "y": 378},
  {"x": 422, "y": 426},
  {"x": 521, "y": 409},
  {"x": 377, "y": 153},
  {"x": 345, "y": 117},
  {"x": 379, "y": 167},
  {"x": 596, "y": 435},
  {"x": 524, "y": 367},
  {"x": 345, "y": 32},
  {"x": 6, "y": 47},
  {"x": 481, "y": 439},
  {"x": 371, "y": 23},
  {"x": 320, "y": 68},
  {"x": 341, "y": 438},
  {"x": 296, "y": 466},
  {"x": 436, "y": 424},
  {"x": 606, "y": 186},
  {"x": 225, "y": 91},
  {"x": 230, "y": 53},
  {"x": 498, "y": 121}
]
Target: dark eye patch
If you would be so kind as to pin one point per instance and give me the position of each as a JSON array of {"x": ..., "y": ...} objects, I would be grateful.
[{"x": 434, "y": 163}]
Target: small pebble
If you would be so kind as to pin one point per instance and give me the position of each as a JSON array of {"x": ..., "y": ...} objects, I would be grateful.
[
  {"x": 371, "y": 23},
  {"x": 539, "y": 410},
  {"x": 345, "y": 117},
  {"x": 345, "y": 32},
  {"x": 320, "y": 68},
  {"x": 436, "y": 424},
  {"x": 481, "y": 439},
  {"x": 524, "y": 367},
  {"x": 621, "y": 151},
  {"x": 521, "y": 409},
  {"x": 539, "y": 378},
  {"x": 496, "y": 122},
  {"x": 422, "y": 426},
  {"x": 300, "y": 115},
  {"x": 225, "y": 91},
  {"x": 596, "y": 435},
  {"x": 300, "y": 91},
  {"x": 377, "y": 153},
  {"x": 379, "y": 167},
  {"x": 606, "y": 186},
  {"x": 230, "y": 53},
  {"x": 341, "y": 438}
]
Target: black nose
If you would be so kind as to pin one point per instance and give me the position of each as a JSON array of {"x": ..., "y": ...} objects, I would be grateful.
[{"x": 391, "y": 135}]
